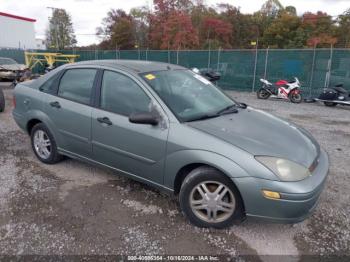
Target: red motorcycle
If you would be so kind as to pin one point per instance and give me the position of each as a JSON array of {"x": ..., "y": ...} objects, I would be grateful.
[{"x": 282, "y": 90}]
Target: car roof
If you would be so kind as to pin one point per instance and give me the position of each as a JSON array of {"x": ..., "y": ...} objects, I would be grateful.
[{"x": 137, "y": 66}]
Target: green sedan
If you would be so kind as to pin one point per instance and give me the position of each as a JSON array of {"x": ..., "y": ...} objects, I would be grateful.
[{"x": 169, "y": 127}]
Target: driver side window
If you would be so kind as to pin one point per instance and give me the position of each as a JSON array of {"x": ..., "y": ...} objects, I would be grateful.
[{"x": 121, "y": 95}]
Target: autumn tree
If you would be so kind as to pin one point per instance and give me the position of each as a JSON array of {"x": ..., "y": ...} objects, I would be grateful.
[
  {"x": 218, "y": 33},
  {"x": 319, "y": 29},
  {"x": 171, "y": 25},
  {"x": 178, "y": 32},
  {"x": 60, "y": 32},
  {"x": 117, "y": 30}
]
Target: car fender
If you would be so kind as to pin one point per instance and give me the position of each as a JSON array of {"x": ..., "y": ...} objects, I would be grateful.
[
  {"x": 45, "y": 119},
  {"x": 177, "y": 160}
]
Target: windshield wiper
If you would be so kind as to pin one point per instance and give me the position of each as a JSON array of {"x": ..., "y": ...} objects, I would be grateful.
[
  {"x": 203, "y": 117},
  {"x": 228, "y": 110}
]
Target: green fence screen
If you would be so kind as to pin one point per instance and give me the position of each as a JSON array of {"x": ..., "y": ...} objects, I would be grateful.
[{"x": 240, "y": 69}]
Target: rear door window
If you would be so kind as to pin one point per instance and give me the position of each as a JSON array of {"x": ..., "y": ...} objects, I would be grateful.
[{"x": 76, "y": 85}]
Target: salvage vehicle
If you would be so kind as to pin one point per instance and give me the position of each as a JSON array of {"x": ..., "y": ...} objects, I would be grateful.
[
  {"x": 335, "y": 95},
  {"x": 171, "y": 128},
  {"x": 10, "y": 69},
  {"x": 282, "y": 89}
]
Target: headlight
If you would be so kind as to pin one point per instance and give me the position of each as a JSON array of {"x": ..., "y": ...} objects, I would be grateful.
[{"x": 286, "y": 170}]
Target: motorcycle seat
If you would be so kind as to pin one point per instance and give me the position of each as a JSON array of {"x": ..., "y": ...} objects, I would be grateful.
[{"x": 340, "y": 89}]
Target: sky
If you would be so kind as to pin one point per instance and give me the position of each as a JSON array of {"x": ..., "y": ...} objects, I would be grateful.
[{"x": 88, "y": 14}]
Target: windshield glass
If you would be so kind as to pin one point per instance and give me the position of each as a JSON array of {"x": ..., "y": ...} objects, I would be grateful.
[
  {"x": 7, "y": 61},
  {"x": 188, "y": 95}
]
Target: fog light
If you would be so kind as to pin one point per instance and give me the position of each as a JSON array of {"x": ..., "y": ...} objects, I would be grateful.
[{"x": 271, "y": 194}]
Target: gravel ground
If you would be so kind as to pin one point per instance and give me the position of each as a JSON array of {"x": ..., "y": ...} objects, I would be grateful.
[{"x": 74, "y": 208}]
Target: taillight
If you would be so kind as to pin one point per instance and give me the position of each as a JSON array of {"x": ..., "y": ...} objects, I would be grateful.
[{"x": 14, "y": 101}]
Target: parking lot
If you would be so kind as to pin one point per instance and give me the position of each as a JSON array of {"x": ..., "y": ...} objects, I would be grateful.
[{"x": 75, "y": 208}]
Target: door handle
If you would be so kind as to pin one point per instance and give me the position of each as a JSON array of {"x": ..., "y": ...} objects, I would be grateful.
[
  {"x": 104, "y": 120},
  {"x": 55, "y": 104}
]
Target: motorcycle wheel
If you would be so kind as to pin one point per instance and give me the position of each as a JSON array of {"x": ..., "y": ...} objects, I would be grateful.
[
  {"x": 263, "y": 94},
  {"x": 296, "y": 98},
  {"x": 330, "y": 104}
]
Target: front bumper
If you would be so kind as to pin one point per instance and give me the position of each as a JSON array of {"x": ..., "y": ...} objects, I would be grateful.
[
  {"x": 11, "y": 75},
  {"x": 298, "y": 199}
]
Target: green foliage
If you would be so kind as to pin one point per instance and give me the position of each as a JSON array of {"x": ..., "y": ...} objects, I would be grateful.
[{"x": 60, "y": 32}]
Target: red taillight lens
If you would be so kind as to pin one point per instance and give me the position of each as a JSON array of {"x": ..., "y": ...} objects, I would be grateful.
[{"x": 14, "y": 101}]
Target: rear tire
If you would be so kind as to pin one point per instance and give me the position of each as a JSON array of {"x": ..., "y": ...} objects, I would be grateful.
[
  {"x": 263, "y": 94},
  {"x": 2, "y": 101},
  {"x": 330, "y": 104},
  {"x": 208, "y": 198},
  {"x": 44, "y": 144},
  {"x": 296, "y": 98}
]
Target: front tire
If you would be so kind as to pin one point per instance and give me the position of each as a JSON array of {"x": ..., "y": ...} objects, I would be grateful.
[
  {"x": 263, "y": 94},
  {"x": 44, "y": 144},
  {"x": 330, "y": 104},
  {"x": 208, "y": 198}
]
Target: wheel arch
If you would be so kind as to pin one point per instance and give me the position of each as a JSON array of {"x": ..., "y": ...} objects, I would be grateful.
[
  {"x": 31, "y": 123},
  {"x": 34, "y": 117},
  {"x": 181, "y": 163}
]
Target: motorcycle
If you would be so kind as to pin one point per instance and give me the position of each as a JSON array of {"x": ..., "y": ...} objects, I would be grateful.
[
  {"x": 210, "y": 74},
  {"x": 281, "y": 89},
  {"x": 334, "y": 95}
]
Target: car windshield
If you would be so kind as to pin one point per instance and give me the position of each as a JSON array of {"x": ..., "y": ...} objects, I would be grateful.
[
  {"x": 189, "y": 96},
  {"x": 7, "y": 61}
]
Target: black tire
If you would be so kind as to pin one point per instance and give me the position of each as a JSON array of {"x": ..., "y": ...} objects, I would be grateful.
[
  {"x": 263, "y": 94},
  {"x": 54, "y": 156},
  {"x": 296, "y": 98},
  {"x": 208, "y": 174},
  {"x": 330, "y": 104},
  {"x": 2, "y": 101}
]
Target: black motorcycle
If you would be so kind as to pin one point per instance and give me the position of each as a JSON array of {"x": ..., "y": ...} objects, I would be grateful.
[
  {"x": 335, "y": 95},
  {"x": 209, "y": 74}
]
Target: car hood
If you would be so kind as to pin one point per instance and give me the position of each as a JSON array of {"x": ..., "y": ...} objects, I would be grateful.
[
  {"x": 13, "y": 67},
  {"x": 260, "y": 133}
]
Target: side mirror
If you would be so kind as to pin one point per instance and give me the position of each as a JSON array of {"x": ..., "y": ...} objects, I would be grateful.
[{"x": 145, "y": 118}]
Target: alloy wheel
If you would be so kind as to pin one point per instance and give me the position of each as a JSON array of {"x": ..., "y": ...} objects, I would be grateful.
[
  {"x": 42, "y": 144},
  {"x": 212, "y": 201}
]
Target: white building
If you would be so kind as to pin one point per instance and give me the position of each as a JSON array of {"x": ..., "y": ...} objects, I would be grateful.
[
  {"x": 16, "y": 31},
  {"x": 40, "y": 44}
]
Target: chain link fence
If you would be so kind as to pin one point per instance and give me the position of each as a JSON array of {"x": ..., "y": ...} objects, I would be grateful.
[{"x": 240, "y": 69}]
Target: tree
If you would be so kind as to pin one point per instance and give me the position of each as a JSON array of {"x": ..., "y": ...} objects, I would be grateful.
[
  {"x": 218, "y": 32},
  {"x": 117, "y": 30},
  {"x": 343, "y": 31},
  {"x": 140, "y": 17},
  {"x": 291, "y": 10},
  {"x": 271, "y": 8},
  {"x": 319, "y": 29},
  {"x": 169, "y": 16},
  {"x": 284, "y": 32},
  {"x": 178, "y": 32},
  {"x": 60, "y": 32}
]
